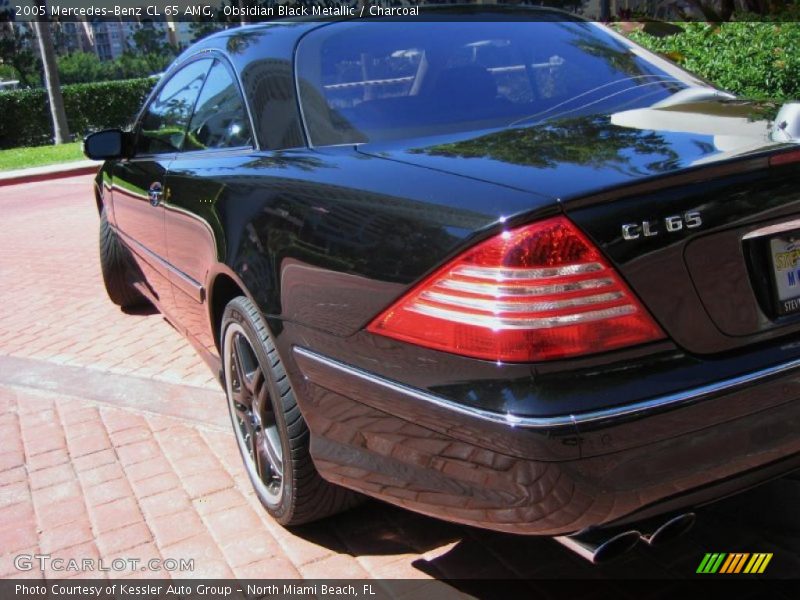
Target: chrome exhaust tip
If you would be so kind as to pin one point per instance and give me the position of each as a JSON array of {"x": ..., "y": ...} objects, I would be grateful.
[
  {"x": 672, "y": 529},
  {"x": 595, "y": 547}
]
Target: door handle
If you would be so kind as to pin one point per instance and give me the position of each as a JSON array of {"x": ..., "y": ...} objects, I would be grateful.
[{"x": 155, "y": 193}]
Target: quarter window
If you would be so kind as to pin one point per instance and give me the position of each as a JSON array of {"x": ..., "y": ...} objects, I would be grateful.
[
  {"x": 163, "y": 126},
  {"x": 220, "y": 119}
]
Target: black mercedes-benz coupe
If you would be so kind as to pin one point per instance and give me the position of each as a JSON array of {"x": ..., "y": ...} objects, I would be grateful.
[{"x": 523, "y": 275}]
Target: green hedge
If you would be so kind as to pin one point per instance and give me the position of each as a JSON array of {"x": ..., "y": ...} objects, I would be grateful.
[
  {"x": 751, "y": 59},
  {"x": 26, "y": 120}
]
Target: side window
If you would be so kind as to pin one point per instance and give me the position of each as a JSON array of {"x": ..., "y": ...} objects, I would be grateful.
[
  {"x": 220, "y": 119},
  {"x": 163, "y": 126}
]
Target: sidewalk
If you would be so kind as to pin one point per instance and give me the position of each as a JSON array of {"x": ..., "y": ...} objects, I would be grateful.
[{"x": 78, "y": 167}]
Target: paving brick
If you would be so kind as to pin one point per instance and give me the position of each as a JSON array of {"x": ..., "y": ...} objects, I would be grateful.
[
  {"x": 120, "y": 420},
  {"x": 80, "y": 416},
  {"x": 14, "y": 493},
  {"x": 299, "y": 550},
  {"x": 206, "y": 463},
  {"x": 51, "y": 476},
  {"x": 15, "y": 513},
  {"x": 157, "y": 484},
  {"x": 18, "y": 535},
  {"x": 128, "y": 537},
  {"x": 148, "y": 468},
  {"x": 88, "y": 444},
  {"x": 275, "y": 567},
  {"x": 27, "y": 570},
  {"x": 55, "y": 570},
  {"x": 43, "y": 440},
  {"x": 165, "y": 503},
  {"x": 94, "y": 460},
  {"x": 204, "y": 484},
  {"x": 201, "y": 548},
  {"x": 136, "y": 562},
  {"x": 224, "y": 499},
  {"x": 138, "y": 452},
  {"x": 253, "y": 547},
  {"x": 13, "y": 475},
  {"x": 131, "y": 435},
  {"x": 173, "y": 528},
  {"x": 114, "y": 515},
  {"x": 91, "y": 426},
  {"x": 48, "y": 459},
  {"x": 101, "y": 474},
  {"x": 107, "y": 491},
  {"x": 232, "y": 523},
  {"x": 51, "y": 515},
  {"x": 66, "y": 536},
  {"x": 340, "y": 566},
  {"x": 11, "y": 460}
]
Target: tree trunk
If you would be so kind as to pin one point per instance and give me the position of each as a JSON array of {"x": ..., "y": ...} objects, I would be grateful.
[
  {"x": 243, "y": 18},
  {"x": 51, "y": 82},
  {"x": 605, "y": 10}
]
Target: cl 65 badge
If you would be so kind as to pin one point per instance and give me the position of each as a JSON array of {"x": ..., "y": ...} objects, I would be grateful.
[{"x": 672, "y": 224}]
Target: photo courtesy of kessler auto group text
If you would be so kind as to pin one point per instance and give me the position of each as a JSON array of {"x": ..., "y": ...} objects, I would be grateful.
[{"x": 399, "y": 299}]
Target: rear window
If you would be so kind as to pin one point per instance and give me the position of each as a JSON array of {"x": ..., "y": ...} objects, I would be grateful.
[{"x": 362, "y": 82}]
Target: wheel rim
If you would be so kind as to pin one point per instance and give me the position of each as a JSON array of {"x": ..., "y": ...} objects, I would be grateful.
[{"x": 253, "y": 414}]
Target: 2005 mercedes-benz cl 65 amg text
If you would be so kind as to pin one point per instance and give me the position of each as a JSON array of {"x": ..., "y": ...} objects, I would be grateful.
[{"x": 523, "y": 275}]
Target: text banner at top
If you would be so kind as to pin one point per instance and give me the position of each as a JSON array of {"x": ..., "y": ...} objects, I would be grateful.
[{"x": 245, "y": 11}]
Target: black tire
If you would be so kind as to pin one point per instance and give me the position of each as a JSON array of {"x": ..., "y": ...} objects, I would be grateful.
[
  {"x": 297, "y": 494},
  {"x": 115, "y": 264}
]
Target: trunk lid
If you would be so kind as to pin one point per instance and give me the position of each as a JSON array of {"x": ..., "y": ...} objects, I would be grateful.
[{"x": 691, "y": 183}]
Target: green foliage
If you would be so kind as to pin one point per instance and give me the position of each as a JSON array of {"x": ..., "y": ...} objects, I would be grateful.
[
  {"x": 147, "y": 39},
  {"x": 16, "y": 52},
  {"x": 7, "y": 72},
  {"x": 750, "y": 59},
  {"x": 86, "y": 67},
  {"x": 564, "y": 141},
  {"x": 89, "y": 107},
  {"x": 201, "y": 29},
  {"x": 80, "y": 67}
]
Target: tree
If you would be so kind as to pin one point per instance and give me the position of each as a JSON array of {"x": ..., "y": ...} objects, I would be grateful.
[
  {"x": 148, "y": 39},
  {"x": 83, "y": 67},
  {"x": 51, "y": 81},
  {"x": 15, "y": 51},
  {"x": 203, "y": 28}
]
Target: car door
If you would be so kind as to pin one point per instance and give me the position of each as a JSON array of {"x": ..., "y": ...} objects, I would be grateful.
[
  {"x": 139, "y": 181},
  {"x": 218, "y": 139}
]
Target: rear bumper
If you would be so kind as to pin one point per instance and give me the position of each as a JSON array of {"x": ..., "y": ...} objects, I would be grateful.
[{"x": 553, "y": 475}]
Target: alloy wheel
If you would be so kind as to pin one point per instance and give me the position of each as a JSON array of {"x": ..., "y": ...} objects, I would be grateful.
[{"x": 253, "y": 413}]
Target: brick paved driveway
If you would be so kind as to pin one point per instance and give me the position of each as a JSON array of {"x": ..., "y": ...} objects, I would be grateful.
[{"x": 114, "y": 442}]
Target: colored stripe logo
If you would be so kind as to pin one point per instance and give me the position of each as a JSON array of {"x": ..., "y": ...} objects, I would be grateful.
[{"x": 735, "y": 562}]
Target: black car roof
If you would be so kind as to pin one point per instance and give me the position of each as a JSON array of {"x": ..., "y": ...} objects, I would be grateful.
[{"x": 302, "y": 25}]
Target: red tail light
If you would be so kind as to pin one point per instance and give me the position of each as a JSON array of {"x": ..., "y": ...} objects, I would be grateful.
[
  {"x": 785, "y": 158},
  {"x": 538, "y": 292}
]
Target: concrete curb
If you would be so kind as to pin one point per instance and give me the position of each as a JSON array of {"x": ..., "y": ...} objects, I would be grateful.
[
  {"x": 47, "y": 173},
  {"x": 200, "y": 406}
]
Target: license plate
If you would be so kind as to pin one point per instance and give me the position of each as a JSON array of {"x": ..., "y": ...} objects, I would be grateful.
[{"x": 785, "y": 254}]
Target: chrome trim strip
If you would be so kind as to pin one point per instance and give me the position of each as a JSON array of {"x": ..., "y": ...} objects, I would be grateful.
[
  {"x": 491, "y": 289},
  {"x": 192, "y": 288},
  {"x": 484, "y": 415},
  {"x": 492, "y": 305},
  {"x": 771, "y": 229},
  {"x": 509, "y": 321},
  {"x": 634, "y": 409},
  {"x": 506, "y": 273}
]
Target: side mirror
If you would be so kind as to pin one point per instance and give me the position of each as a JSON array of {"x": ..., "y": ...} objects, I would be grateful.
[{"x": 106, "y": 144}]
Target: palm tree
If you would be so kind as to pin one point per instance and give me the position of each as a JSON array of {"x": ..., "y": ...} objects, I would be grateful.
[{"x": 51, "y": 82}]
